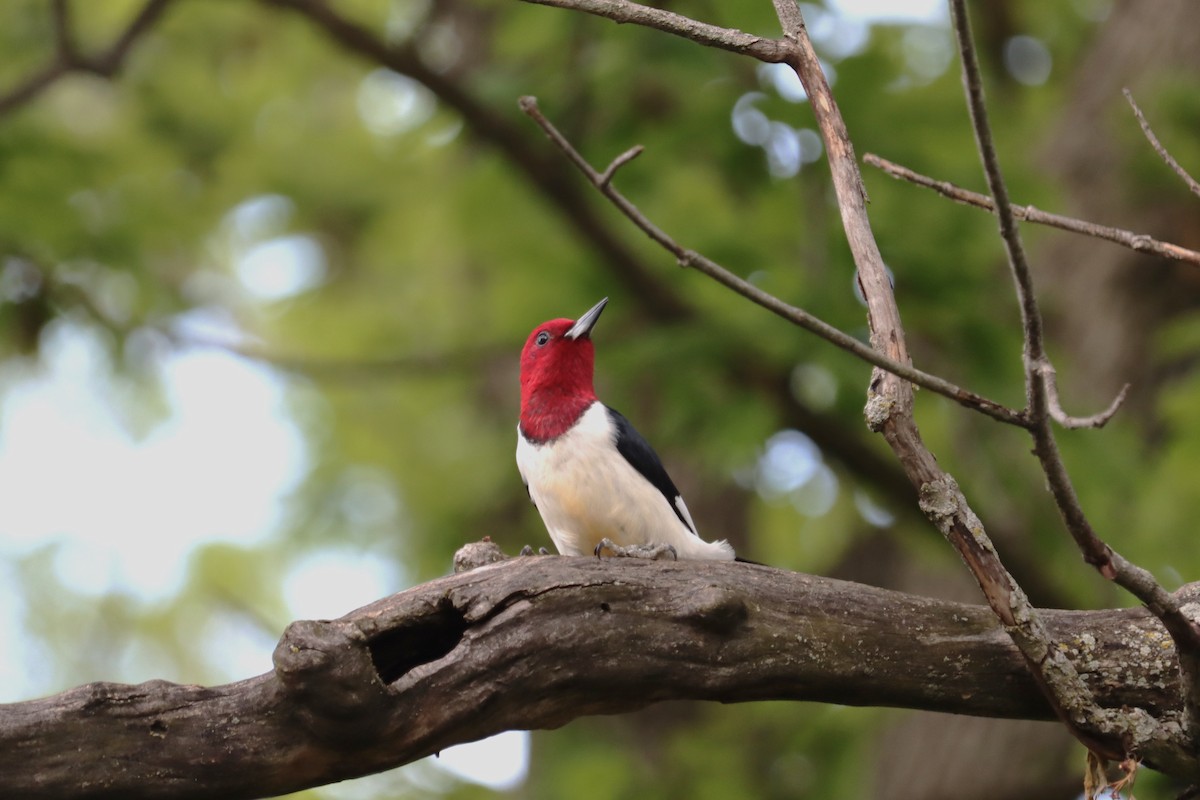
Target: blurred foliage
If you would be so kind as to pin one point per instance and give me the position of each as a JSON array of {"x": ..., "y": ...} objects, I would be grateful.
[{"x": 127, "y": 203}]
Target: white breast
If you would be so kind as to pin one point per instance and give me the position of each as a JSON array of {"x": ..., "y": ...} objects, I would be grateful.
[{"x": 585, "y": 490}]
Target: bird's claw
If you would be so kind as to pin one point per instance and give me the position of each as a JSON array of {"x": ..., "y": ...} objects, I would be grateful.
[
  {"x": 653, "y": 552},
  {"x": 528, "y": 551}
]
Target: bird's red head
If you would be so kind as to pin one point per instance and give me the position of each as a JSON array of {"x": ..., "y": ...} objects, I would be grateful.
[{"x": 557, "y": 364}]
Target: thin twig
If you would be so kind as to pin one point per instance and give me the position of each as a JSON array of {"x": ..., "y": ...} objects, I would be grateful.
[
  {"x": 1050, "y": 375},
  {"x": 618, "y": 162},
  {"x": 1184, "y": 632},
  {"x": 497, "y": 130},
  {"x": 623, "y": 11},
  {"x": 553, "y": 179},
  {"x": 1031, "y": 318},
  {"x": 890, "y": 411},
  {"x": 800, "y": 317},
  {"x": 1158, "y": 147},
  {"x": 941, "y": 499},
  {"x": 1139, "y": 242}
]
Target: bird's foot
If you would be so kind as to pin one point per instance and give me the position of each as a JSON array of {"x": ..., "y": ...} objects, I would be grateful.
[
  {"x": 654, "y": 552},
  {"x": 528, "y": 551}
]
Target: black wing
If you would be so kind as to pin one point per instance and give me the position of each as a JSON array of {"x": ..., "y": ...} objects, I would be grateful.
[{"x": 638, "y": 452}]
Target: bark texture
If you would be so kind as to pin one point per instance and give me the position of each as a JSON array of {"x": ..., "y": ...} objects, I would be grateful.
[{"x": 535, "y": 642}]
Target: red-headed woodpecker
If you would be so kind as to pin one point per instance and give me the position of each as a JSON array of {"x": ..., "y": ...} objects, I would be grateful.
[{"x": 596, "y": 482}]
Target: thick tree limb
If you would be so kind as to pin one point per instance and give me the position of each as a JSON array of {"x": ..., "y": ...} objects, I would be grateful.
[{"x": 536, "y": 642}]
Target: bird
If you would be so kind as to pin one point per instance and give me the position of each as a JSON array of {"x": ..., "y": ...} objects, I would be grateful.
[{"x": 596, "y": 482}]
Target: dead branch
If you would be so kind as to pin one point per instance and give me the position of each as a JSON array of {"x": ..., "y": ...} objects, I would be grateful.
[
  {"x": 798, "y": 316},
  {"x": 1099, "y": 420},
  {"x": 1138, "y": 581},
  {"x": 531, "y": 643},
  {"x": 889, "y": 408},
  {"x": 623, "y": 11},
  {"x": 1139, "y": 242},
  {"x": 1191, "y": 182},
  {"x": 890, "y": 411}
]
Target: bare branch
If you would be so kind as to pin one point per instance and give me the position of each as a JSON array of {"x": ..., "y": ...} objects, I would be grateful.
[
  {"x": 1191, "y": 182},
  {"x": 623, "y": 11},
  {"x": 618, "y": 162},
  {"x": 1184, "y": 632},
  {"x": 496, "y": 130},
  {"x": 1050, "y": 375},
  {"x": 1031, "y": 317},
  {"x": 690, "y": 258},
  {"x": 1134, "y": 241},
  {"x": 539, "y": 641}
]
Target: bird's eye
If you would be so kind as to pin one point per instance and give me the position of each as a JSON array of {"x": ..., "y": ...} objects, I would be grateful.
[{"x": 542, "y": 338}]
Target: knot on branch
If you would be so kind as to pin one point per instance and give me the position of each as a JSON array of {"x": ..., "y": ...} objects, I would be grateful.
[
  {"x": 716, "y": 609},
  {"x": 477, "y": 554},
  {"x": 880, "y": 404},
  {"x": 940, "y": 500},
  {"x": 326, "y": 669}
]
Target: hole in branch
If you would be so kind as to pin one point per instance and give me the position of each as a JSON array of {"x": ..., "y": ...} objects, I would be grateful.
[{"x": 397, "y": 651}]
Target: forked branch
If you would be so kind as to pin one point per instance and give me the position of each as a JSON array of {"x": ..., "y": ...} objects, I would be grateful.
[
  {"x": 1135, "y": 579},
  {"x": 890, "y": 405},
  {"x": 67, "y": 57},
  {"x": 690, "y": 258}
]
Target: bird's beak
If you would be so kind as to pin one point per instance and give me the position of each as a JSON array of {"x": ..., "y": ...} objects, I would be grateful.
[{"x": 583, "y": 326}]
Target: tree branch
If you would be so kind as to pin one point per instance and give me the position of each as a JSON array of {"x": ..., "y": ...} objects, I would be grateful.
[
  {"x": 67, "y": 59},
  {"x": 889, "y": 408},
  {"x": 534, "y": 642},
  {"x": 890, "y": 411},
  {"x": 1031, "y": 317},
  {"x": 1191, "y": 182},
  {"x": 496, "y": 130},
  {"x": 623, "y": 11},
  {"x": 1134, "y": 241},
  {"x": 1184, "y": 632},
  {"x": 690, "y": 258},
  {"x": 1050, "y": 376}
]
